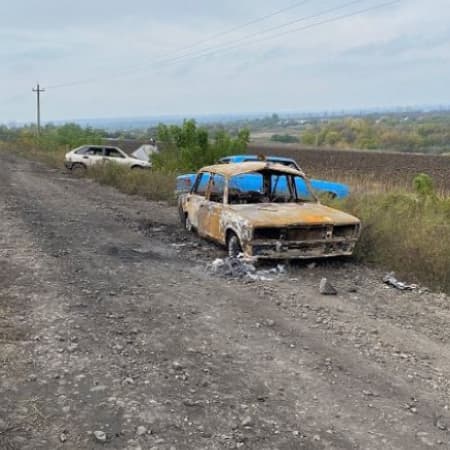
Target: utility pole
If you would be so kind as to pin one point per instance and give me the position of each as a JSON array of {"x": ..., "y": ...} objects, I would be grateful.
[{"x": 38, "y": 91}]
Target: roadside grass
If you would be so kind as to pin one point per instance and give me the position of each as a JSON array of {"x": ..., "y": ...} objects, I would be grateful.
[
  {"x": 150, "y": 184},
  {"x": 157, "y": 185},
  {"x": 53, "y": 157},
  {"x": 366, "y": 182},
  {"x": 405, "y": 232}
]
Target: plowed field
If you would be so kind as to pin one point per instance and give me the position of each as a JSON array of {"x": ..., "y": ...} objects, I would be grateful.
[{"x": 387, "y": 168}]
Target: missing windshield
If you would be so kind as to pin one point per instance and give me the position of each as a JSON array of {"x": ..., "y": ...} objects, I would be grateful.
[{"x": 268, "y": 187}]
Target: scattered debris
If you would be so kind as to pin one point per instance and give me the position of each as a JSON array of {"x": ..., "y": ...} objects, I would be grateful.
[
  {"x": 390, "y": 280},
  {"x": 238, "y": 267},
  {"x": 441, "y": 423},
  {"x": 326, "y": 288},
  {"x": 100, "y": 436},
  {"x": 141, "y": 430},
  {"x": 247, "y": 422},
  {"x": 177, "y": 365}
]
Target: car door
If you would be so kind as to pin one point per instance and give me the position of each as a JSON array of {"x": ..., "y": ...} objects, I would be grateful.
[
  {"x": 214, "y": 208},
  {"x": 93, "y": 155},
  {"x": 196, "y": 203},
  {"x": 113, "y": 154}
]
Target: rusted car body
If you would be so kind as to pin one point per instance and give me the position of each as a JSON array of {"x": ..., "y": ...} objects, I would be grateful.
[{"x": 270, "y": 221}]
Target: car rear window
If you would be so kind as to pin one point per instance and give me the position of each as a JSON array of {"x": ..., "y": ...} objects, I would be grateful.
[{"x": 97, "y": 151}]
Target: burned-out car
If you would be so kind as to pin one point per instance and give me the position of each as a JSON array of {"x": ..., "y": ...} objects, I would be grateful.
[{"x": 265, "y": 210}]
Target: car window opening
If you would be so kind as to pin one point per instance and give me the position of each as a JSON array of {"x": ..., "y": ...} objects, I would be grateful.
[
  {"x": 217, "y": 188},
  {"x": 268, "y": 187}
]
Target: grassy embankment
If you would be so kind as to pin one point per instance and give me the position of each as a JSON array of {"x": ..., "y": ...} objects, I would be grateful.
[
  {"x": 405, "y": 228},
  {"x": 405, "y": 231}
]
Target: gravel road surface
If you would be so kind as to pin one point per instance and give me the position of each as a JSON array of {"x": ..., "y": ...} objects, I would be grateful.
[{"x": 114, "y": 335}]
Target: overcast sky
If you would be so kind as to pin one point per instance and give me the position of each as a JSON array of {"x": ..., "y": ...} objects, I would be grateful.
[{"x": 121, "y": 56}]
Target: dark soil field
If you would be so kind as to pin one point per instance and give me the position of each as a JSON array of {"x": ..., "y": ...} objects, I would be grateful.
[{"x": 389, "y": 168}]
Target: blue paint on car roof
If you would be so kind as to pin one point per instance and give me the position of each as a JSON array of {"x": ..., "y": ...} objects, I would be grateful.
[{"x": 240, "y": 158}]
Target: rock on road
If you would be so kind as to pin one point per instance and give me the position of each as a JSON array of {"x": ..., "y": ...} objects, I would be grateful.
[{"x": 112, "y": 335}]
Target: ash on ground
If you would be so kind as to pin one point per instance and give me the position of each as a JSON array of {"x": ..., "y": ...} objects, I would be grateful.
[{"x": 243, "y": 269}]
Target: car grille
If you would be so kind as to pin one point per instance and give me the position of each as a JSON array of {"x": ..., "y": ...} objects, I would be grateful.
[{"x": 306, "y": 233}]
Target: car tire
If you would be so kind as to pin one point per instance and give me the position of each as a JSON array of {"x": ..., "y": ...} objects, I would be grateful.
[
  {"x": 136, "y": 167},
  {"x": 79, "y": 170},
  {"x": 182, "y": 216},
  {"x": 233, "y": 245}
]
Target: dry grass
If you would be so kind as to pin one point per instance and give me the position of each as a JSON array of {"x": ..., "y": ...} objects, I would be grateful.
[
  {"x": 150, "y": 184},
  {"x": 53, "y": 158},
  {"x": 404, "y": 232}
]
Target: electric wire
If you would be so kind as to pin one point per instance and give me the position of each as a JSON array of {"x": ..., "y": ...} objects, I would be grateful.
[{"x": 214, "y": 49}]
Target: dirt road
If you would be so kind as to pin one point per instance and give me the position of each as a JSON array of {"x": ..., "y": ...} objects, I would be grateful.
[{"x": 112, "y": 330}]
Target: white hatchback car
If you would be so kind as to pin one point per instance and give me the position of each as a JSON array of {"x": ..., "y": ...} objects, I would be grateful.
[{"x": 80, "y": 158}]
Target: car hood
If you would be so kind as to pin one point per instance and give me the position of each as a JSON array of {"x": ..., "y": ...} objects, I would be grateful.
[
  {"x": 286, "y": 214},
  {"x": 140, "y": 160}
]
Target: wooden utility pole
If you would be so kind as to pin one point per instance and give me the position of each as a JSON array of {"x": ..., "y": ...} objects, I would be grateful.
[{"x": 38, "y": 91}]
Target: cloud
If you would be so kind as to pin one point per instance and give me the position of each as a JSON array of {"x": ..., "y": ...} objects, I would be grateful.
[{"x": 140, "y": 59}]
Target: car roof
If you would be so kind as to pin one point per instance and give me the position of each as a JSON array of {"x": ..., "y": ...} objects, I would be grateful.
[
  {"x": 229, "y": 170},
  {"x": 257, "y": 158}
]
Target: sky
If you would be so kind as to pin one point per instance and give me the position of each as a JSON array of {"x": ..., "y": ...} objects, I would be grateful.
[{"x": 146, "y": 58}]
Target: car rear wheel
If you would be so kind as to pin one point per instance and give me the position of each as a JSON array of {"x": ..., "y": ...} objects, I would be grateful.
[
  {"x": 182, "y": 216},
  {"x": 233, "y": 245},
  {"x": 136, "y": 167},
  {"x": 79, "y": 170}
]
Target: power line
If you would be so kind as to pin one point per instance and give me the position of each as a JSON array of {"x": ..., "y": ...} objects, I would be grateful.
[
  {"x": 245, "y": 25},
  {"x": 292, "y": 22},
  {"x": 164, "y": 61},
  {"x": 274, "y": 36},
  {"x": 323, "y": 22},
  {"x": 205, "y": 40},
  {"x": 226, "y": 47}
]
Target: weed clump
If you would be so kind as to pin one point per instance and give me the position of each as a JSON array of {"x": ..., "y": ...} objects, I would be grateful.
[
  {"x": 150, "y": 184},
  {"x": 408, "y": 232}
]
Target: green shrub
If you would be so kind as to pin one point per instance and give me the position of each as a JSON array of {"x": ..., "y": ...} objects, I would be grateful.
[{"x": 188, "y": 148}]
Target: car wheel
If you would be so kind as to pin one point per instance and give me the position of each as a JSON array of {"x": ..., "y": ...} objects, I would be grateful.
[
  {"x": 182, "y": 216},
  {"x": 136, "y": 167},
  {"x": 79, "y": 170},
  {"x": 233, "y": 245}
]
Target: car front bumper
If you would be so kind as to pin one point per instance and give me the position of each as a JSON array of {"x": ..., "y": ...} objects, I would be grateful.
[{"x": 300, "y": 250}]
